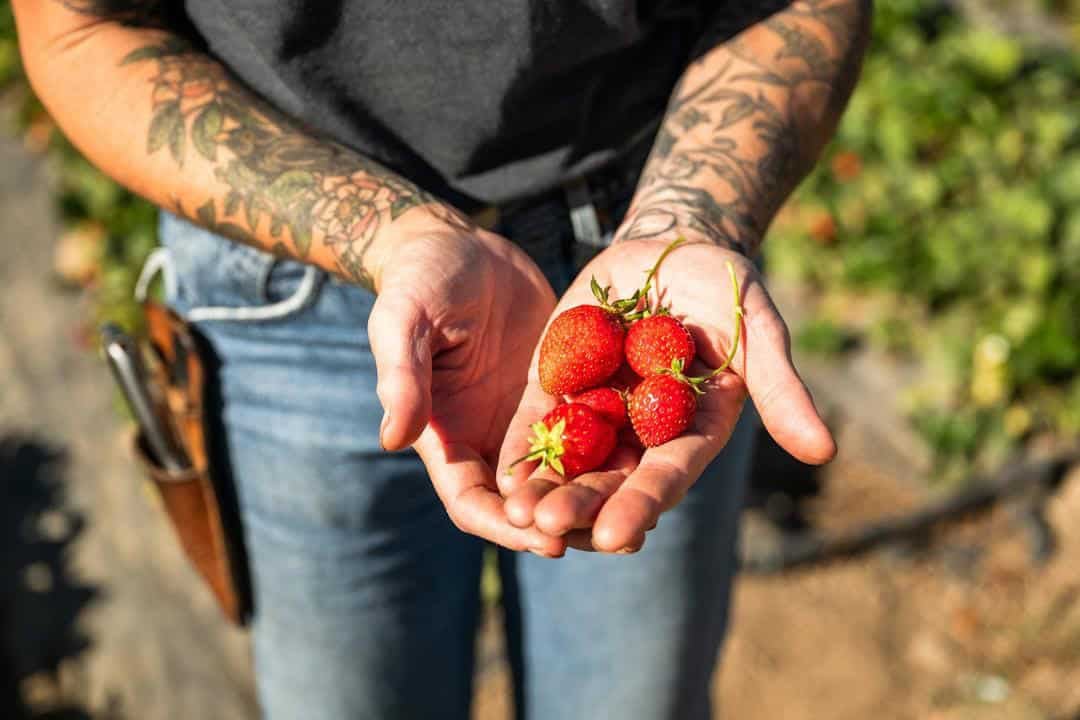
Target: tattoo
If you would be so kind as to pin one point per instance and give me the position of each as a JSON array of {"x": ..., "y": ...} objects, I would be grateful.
[
  {"x": 281, "y": 180},
  {"x": 735, "y": 144}
]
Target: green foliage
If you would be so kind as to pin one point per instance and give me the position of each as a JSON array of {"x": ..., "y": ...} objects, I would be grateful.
[
  {"x": 10, "y": 67},
  {"x": 824, "y": 337},
  {"x": 954, "y": 185}
]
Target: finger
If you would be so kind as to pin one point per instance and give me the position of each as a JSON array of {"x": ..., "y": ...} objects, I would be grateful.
[
  {"x": 400, "y": 337},
  {"x": 782, "y": 399},
  {"x": 523, "y": 498},
  {"x": 666, "y": 472},
  {"x": 534, "y": 405},
  {"x": 568, "y": 504},
  {"x": 657, "y": 485},
  {"x": 466, "y": 486},
  {"x": 576, "y": 504},
  {"x": 520, "y": 503}
]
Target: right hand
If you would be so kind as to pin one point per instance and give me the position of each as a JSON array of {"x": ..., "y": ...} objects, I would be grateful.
[
  {"x": 458, "y": 313},
  {"x": 612, "y": 509}
]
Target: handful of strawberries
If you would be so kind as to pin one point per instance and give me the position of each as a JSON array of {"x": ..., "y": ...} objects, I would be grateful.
[{"x": 618, "y": 369}]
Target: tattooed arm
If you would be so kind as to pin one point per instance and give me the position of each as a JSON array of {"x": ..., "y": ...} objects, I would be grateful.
[
  {"x": 209, "y": 148},
  {"x": 747, "y": 122},
  {"x": 459, "y": 309}
]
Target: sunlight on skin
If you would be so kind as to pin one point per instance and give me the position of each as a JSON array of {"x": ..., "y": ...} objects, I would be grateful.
[{"x": 625, "y": 499}]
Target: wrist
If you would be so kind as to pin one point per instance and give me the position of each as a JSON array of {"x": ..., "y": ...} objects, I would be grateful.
[
  {"x": 665, "y": 222},
  {"x": 431, "y": 220}
]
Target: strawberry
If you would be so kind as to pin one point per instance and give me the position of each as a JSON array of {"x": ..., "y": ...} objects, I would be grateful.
[
  {"x": 663, "y": 405},
  {"x": 652, "y": 344},
  {"x": 571, "y": 439},
  {"x": 582, "y": 348},
  {"x": 661, "y": 408},
  {"x": 607, "y": 401}
]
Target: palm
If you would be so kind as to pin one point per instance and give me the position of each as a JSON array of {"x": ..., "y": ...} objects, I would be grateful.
[
  {"x": 453, "y": 331},
  {"x": 489, "y": 325},
  {"x": 611, "y": 509}
]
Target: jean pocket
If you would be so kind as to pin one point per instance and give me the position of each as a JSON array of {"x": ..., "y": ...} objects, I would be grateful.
[
  {"x": 219, "y": 279},
  {"x": 283, "y": 279}
]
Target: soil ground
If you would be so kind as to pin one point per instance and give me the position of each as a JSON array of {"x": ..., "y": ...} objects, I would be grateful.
[{"x": 101, "y": 618}]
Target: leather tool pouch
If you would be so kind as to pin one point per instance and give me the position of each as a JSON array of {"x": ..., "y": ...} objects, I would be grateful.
[{"x": 201, "y": 512}]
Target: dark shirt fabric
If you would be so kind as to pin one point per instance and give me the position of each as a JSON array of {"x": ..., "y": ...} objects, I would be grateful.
[{"x": 478, "y": 101}]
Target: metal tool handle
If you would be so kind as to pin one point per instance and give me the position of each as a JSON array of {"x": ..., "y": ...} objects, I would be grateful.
[{"x": 122, "y": 355}]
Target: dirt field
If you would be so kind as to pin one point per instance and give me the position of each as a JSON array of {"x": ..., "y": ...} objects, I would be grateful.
[{"x": 967, "y": 628}]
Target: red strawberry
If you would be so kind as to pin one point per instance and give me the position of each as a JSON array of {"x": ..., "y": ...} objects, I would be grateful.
[
  {"x": 572, "y": 439},
  {"x": 663, "y": 405},
  {"x": 582, "y": 348},
  {"x": 607, "y": 401},
  {"x": 653, "y": 342},
  {"x": 661, "y": 408}
]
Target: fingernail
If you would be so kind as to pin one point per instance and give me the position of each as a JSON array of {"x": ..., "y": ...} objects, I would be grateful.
[
  {"x": 628, "y": 550},
  {"x": 382, "y": 428},
  {"x": 539, "y": 550}
]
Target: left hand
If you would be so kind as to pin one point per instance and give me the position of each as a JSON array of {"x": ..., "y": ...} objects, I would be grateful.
[
  {"x": 458, "y": 313},
  {"x": 610, "y": 510}
]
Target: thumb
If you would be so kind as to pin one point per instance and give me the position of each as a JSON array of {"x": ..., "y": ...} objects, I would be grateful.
[
  {"x": 400, "y": 337},
  {"x": 781, "y": 398}
]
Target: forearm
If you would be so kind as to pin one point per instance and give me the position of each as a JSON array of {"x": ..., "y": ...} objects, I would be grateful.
[
  {"x": 172, "y": 124},
  {"x": 746, "y": 123}
]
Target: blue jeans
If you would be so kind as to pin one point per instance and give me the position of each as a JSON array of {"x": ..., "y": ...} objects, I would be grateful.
[{"x": 367, "y": 597}]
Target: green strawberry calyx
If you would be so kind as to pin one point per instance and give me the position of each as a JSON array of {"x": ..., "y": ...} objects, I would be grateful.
[
  {"x": 547, "y": 447},
  {"x": 677, "y": 371},
  {"x": 627, "y": 309}
]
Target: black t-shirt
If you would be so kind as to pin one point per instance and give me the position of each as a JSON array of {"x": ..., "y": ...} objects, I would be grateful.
[{"x": 470, "y": 99}]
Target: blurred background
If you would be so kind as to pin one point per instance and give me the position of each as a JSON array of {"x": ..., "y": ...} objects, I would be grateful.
[{"x": 930, "y": 269}]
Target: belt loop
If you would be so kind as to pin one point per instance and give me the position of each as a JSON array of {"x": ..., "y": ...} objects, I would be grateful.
[
  {"x": 158, "y": 261},
  {"x": 583, "y": 217},
  {"x": 302, "y": 297}
]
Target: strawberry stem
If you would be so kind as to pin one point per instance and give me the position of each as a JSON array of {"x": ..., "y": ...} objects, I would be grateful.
[
  {"x": 627, "y": 308},
  {"x": 678, "y": 371},
  {"x": 651, "y": 275},
  {"x": 739, "y": 313}
]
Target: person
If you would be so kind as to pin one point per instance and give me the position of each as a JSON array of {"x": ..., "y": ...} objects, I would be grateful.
[{"x": 370, "y": 210}]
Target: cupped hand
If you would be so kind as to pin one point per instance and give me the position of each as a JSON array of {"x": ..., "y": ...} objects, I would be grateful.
[
  {"x": 458, "y": 313},
  {"x": 612, "y": 509}
]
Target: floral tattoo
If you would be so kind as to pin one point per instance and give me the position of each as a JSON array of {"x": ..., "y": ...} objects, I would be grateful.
[
  {"x": 287, "y": 189},
  {"x": 281, "y": 180}
]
